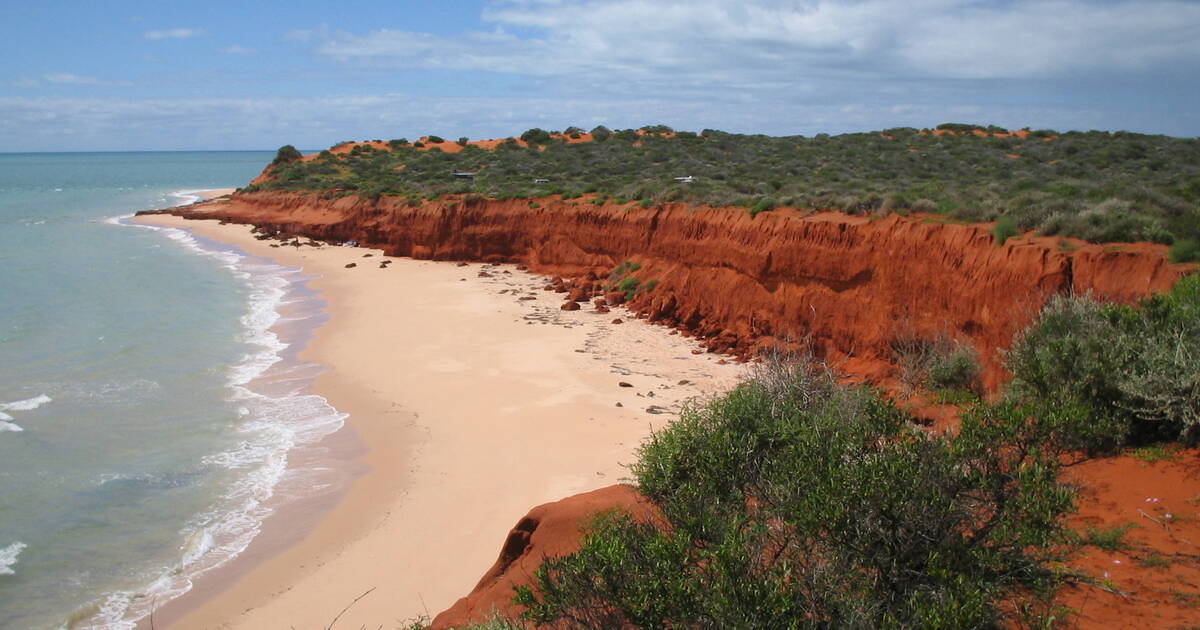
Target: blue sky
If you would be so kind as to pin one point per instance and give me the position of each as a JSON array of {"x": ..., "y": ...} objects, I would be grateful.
[{"x": 124, "y": 75}]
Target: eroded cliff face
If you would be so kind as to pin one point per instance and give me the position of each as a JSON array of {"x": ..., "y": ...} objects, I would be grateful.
[
  {"x": 552, "y": 530},
  {"x": 848, "y": 285}
]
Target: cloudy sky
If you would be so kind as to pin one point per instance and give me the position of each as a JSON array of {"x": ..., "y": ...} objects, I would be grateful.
[{"x": 145, "y": 75}]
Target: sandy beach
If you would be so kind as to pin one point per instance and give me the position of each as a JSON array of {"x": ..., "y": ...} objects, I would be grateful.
[{"x": 472, "y": 398}]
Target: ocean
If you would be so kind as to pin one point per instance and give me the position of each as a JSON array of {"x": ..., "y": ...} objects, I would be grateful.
[{"x": 150, "y": 392}]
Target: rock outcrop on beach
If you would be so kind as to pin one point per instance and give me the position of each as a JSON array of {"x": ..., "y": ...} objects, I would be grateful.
[{"x": 849, "y": 286}]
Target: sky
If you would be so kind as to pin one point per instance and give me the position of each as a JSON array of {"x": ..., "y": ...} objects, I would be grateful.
[{"x": 213, "y": 75}]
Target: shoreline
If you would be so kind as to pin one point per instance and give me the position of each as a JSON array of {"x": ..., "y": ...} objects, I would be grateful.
[{"x": 508, "y": 403}]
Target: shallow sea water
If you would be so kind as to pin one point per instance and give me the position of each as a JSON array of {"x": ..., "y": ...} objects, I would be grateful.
[{"x": 149, "y": 389}]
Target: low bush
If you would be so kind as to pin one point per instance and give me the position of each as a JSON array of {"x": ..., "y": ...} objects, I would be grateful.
[
  {"x": 1095, "y": 186},
  {"x": 630, "y": 286},
  {"x": 794, "y": 502},
  {"x": 762, "y": 205},
  {"x": 1004, "y": 230},
  {"x": 286, "y": 153},
  {"x": 939, "y": 363},
  {"x": 1185, "y": 250},
  {"x": 1131, "y": 373}
]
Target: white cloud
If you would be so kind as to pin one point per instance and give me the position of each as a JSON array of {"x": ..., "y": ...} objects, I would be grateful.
[
  {"x": 236, "y": 49},
  {"x": 67, "y": 78},
  {"x": 716, "y": 41},
  {"x": 174, "y": 33}
]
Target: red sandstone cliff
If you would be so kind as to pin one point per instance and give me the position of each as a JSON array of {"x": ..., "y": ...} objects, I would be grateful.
[
  {"x": 849, "y": 284},
  {"x": 551, "y": 530}
]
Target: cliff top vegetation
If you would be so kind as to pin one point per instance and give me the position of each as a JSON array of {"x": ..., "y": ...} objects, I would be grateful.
[{"x": 1098, "y": 186}]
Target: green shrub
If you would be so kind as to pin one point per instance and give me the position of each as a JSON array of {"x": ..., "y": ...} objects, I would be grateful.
[
  {"x": 1107, "y": 538},
  {"x": 1004, "y": 230},
  {"x": 435, "y": 139},
  {"x": 1095, "y": 186},
  {"x": 793, "y": 502},
  {"x": 1131, "y": 373},
  {"x": 1185, "y": 250},
  {"x": 762, "y": 205},
  {"x": 286, "y": 153},
  {"x": 939, "y": 363},
  {"x": 535, "y": 136},
  {"x": 630, "y": 286}
]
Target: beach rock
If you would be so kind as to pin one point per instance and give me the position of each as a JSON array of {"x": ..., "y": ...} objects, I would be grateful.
[
  {"x": 618, "y": 321},
  {"x": 578, "y": 294},
  {"x": 624, "y": 384},
  {"x": 351, "y": 265},
  {"x": 364, "y": 255},
  {"x": 483, "y": 274},
  {"x": 655, "y": 409},
  {"x": 526, "y": 298},
  {"x": 602, "y": 309},
  {"x": 614, "y": 298},
  {"x": 570, "y": 306},
  {"x": 461, "y": 264}
]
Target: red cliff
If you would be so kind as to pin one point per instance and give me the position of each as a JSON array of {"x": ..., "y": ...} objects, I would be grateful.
[
  {"x": 552, "y": 530},
  {"x": 848, "y": 284}
]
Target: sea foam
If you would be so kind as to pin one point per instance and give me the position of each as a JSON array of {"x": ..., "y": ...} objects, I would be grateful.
[
  {"x": 28, "y": 404},
  {"x": 8, "y": 557},
  {"x": 6, "y": 420},
  {"x": 270, "y": 426}
]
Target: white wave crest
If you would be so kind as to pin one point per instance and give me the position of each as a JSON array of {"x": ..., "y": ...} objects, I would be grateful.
[
  {"x": 7, "y": 426},
  {"x": 270, "y": 426},
  {"x": 28, "y": 404},
  {"x": 8, "y": 557}
]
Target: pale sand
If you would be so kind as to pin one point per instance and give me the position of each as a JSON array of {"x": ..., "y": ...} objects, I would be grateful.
[
  {"x": 474, "y": 407},
  {"x": 215, "y": 192}
]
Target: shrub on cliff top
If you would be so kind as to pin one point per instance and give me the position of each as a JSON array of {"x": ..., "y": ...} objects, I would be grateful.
[
  {"x": 762, "y": 205},
  {"x": 1185, "y": 250},
  {"x": 286, "y": 153},
  {"x": 536, "y": 136},
  {"x": 794, "y": 502},
  {"x": 1004, "y": 230}
]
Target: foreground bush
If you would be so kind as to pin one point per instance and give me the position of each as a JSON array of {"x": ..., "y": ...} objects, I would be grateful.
[
  {"x": 1132, "y": 373},
  {"x": 793, "y": 502}
]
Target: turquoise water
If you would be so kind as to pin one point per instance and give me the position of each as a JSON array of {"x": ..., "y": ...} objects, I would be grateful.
[{"x": 149, "y": 395}]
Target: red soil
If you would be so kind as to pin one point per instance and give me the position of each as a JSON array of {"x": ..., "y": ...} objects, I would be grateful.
[
  {"x": 548, "y": 531},
  {"x": 1154, "y": 581}
]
